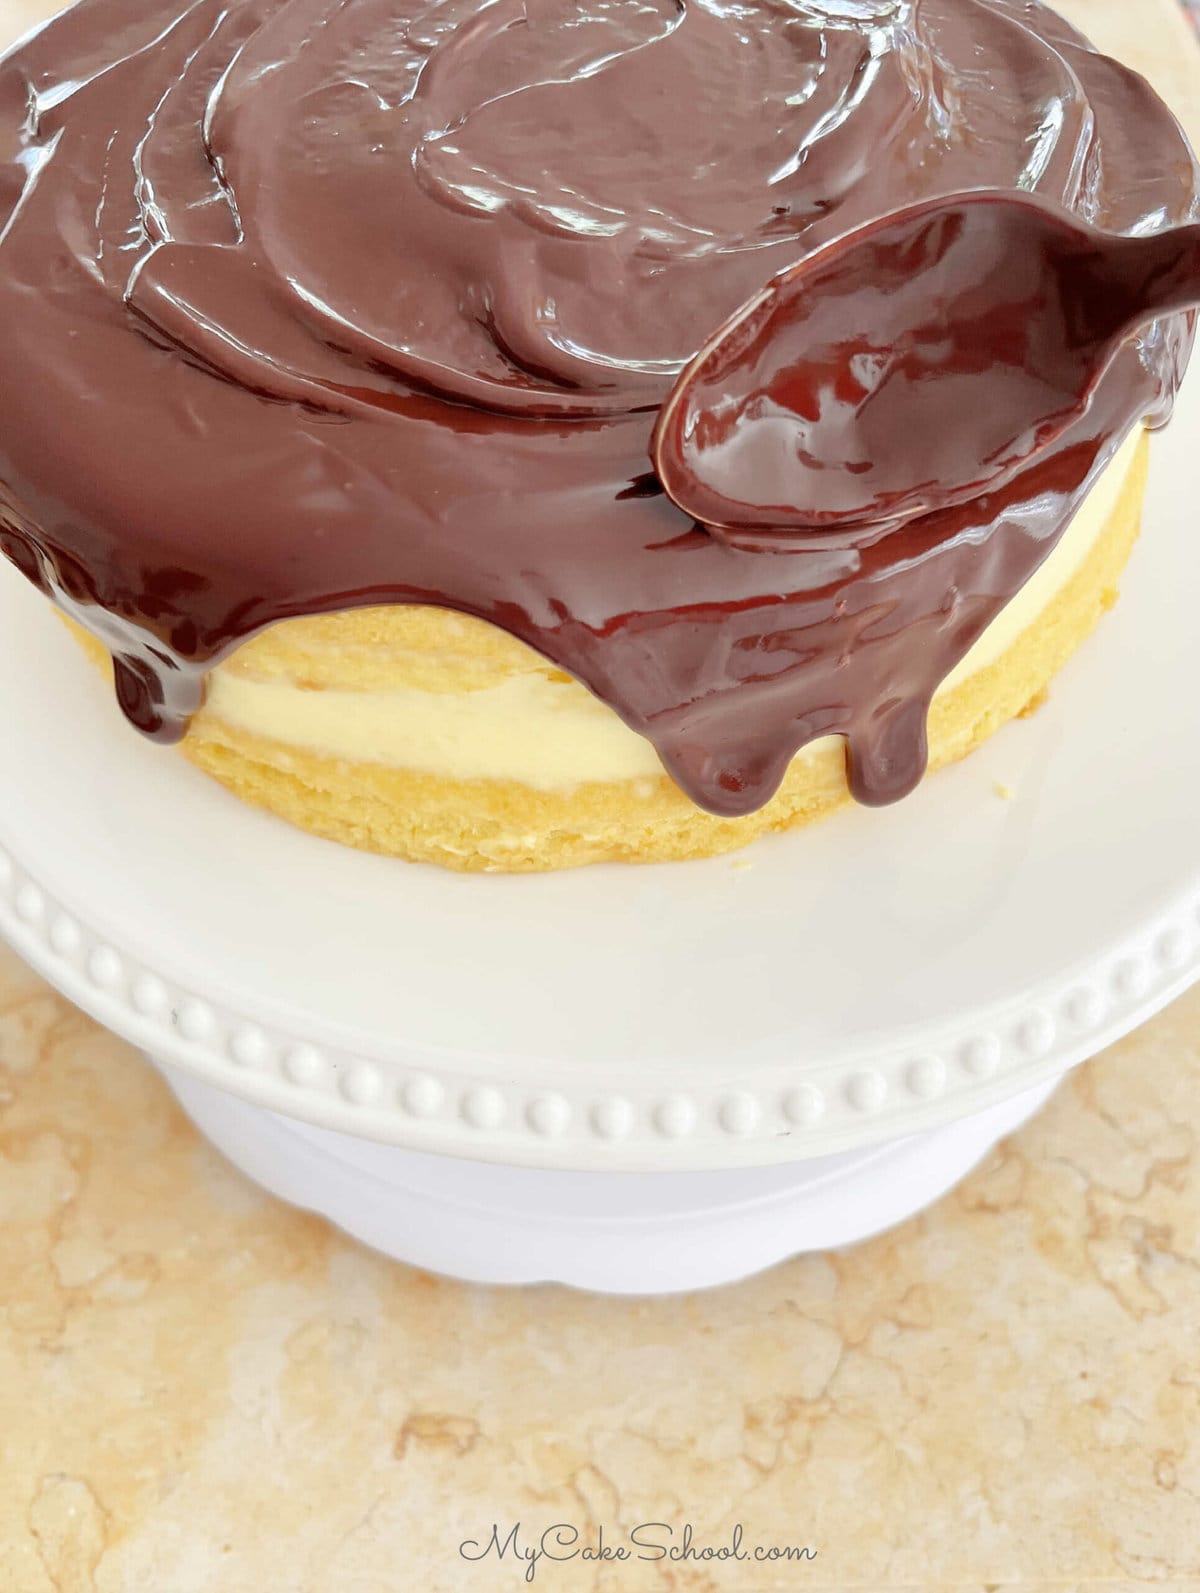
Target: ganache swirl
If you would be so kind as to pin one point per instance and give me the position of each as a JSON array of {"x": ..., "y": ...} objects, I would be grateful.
[{"x": 309, "y": 305}]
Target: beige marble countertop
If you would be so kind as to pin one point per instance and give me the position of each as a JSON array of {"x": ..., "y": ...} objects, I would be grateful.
[{"x": 202, "y": 1391}]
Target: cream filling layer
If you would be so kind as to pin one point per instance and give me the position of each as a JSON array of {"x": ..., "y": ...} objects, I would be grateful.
[{"x": 554, "y": 735}]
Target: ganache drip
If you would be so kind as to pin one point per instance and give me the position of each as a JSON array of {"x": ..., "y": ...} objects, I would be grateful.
[{"x": 309, "y": 306}]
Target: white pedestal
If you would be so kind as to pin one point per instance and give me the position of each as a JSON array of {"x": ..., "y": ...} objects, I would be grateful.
[{"x": 614, "y": 1233}]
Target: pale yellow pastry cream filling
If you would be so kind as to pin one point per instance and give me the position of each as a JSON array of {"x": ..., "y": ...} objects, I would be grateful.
[{"x": 544, "y": 730}]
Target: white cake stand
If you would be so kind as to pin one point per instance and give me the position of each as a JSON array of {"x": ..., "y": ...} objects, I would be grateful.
[{"x": 629, "y": 1079}]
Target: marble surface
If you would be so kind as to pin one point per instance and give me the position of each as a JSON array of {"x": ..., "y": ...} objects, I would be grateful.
[{"x": 204, "y": 1392}]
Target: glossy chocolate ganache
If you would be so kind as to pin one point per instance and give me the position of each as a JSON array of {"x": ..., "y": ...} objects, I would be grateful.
[{"x": 314, "y": 304}]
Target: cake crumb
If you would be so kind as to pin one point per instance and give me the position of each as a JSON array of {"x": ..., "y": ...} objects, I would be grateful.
[
  {"x": 742, "y": 863},
  {"x": 1037, "y": 701},
  {"x": 1004, "y": 792}
]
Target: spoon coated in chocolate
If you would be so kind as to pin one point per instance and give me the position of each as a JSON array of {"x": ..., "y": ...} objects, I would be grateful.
[{"x": 842, "y": 394}]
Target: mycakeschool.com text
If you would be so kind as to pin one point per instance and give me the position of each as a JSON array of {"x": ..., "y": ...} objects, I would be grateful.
[{"x": 530, "y": 1550}]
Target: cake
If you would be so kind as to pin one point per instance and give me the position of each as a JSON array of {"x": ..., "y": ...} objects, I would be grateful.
[{"x": 335, "y": 343}]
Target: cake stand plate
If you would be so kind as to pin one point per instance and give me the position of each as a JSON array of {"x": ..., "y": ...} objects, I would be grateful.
[{"x": 882, "y": 976}]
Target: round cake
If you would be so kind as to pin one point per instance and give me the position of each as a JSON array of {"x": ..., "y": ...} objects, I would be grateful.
[{"x": 336, "y": 340}]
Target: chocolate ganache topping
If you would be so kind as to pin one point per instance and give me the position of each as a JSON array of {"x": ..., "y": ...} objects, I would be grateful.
[{"x": 316, "y": 304}]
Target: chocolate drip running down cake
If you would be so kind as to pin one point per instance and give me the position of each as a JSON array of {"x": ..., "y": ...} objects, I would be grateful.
[{"x": 335, "y": 340}]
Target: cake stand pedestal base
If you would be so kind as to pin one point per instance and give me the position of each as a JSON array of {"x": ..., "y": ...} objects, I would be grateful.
[{"x": 613, "y": 1233}]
